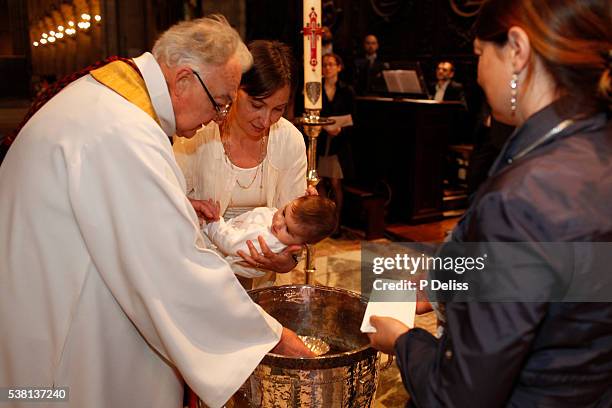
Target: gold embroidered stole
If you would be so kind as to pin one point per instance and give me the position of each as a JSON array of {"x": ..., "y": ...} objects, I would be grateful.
[{"x": 127, "y": 82}]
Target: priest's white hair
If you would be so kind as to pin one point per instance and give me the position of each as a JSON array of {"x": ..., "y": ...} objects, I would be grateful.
[{"x": 200, "y": 43}]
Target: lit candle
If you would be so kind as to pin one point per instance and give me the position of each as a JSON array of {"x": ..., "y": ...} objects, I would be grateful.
[{"x": 312, "y": 54}]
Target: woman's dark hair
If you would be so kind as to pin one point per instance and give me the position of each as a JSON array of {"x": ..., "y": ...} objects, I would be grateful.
[
  {"x": 273, "y": 68},
  {"x": 572, "y": 38}
]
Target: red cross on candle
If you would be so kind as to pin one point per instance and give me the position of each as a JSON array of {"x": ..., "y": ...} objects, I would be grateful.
[{"x": 312, "y": 30}]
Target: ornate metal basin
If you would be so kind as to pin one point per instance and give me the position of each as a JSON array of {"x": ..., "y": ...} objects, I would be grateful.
[{"x": 346, "y": 376}]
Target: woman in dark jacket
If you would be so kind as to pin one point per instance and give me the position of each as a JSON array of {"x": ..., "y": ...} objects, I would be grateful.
[
  {"x": 333, "y": 149},
  {"x": 545, "y": 70}
]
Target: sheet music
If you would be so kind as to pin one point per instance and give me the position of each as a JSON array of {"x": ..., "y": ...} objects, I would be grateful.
[
  {"x": 341, "y": 121},
  {"x": 402, "y": 81}
]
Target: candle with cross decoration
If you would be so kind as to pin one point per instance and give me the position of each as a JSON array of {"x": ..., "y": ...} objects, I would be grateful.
[
  {"x": 312, "y": 30},
  {"x": 312, "y": 122}
]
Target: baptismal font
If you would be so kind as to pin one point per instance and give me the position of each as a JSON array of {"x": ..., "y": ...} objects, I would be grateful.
[{"x": 345, "y": 371}]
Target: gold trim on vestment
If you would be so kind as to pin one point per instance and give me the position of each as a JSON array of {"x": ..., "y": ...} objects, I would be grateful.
[{"x": 123, "y": 79}]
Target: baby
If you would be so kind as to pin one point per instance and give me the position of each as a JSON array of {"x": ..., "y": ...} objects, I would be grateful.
[{"x": 305, "y": 220}]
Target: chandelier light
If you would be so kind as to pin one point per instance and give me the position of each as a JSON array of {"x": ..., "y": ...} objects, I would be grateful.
[{"x": 66, "y": 29}]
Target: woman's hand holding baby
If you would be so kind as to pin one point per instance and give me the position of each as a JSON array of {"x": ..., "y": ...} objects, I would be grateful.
[{"x": 282, "y": 262}]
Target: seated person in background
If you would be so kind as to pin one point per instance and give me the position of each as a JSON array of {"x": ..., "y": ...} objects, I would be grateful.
[
  {"x": 368, "y": 70},
  {"x": 445, "y": 89},
  {"x": 305, "y": 220}
]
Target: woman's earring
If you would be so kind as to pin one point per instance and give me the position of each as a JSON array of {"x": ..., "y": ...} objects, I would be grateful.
[{"x": 513, "y": 93}]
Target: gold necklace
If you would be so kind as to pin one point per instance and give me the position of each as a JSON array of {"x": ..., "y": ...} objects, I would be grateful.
[{"x": 226, "y": 141}]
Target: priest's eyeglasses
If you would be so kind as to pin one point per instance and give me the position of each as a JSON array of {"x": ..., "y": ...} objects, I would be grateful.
[{"x": 221, "y": 111}]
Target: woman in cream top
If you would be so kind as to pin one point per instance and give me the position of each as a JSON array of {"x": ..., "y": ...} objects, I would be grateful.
[{"x": 253, "y": 158}]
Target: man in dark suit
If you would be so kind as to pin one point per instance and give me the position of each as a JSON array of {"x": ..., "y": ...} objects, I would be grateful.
[
  {"x": 445, "y": 89},
  {"x": 368, "y": 77}
]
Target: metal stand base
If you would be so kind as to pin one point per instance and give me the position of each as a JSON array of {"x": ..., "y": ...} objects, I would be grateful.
[{"x": 312, "y": 124}]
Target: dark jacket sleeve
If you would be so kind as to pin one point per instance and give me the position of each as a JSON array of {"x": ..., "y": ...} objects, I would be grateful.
[
  {"x": 479, "y": 358},
  {"x": 455, "y": 92}
]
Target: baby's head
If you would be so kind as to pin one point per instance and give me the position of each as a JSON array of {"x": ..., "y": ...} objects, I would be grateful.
[{"x": 305, "y": 220}]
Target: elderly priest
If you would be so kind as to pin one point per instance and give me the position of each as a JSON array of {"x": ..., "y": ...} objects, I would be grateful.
[{"x": 105, "y": 285}]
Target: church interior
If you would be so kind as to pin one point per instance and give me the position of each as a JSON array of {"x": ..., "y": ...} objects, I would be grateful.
[
  {"x": 410, "y": 158},
  {"x": 420, "y": 137}
]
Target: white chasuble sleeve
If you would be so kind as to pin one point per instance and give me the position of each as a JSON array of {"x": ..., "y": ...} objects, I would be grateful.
[{"x": 142, "y": 235}]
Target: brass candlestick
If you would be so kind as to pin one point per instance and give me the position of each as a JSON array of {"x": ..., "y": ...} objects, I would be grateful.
[{"x": 312, "y": 123}]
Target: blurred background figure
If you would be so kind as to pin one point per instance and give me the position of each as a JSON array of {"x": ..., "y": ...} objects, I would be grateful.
[
  {"x": 40, "y": 86},
  {"x": 334, "y": 147},
  {"x": 446, "y": 88},
  {"x": 327, "y": 41},
  {"x": 368, "y": 68}
]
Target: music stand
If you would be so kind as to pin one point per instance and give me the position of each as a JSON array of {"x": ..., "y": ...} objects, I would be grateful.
[
  {"x": 405, "y": 79},
  {"x": 402, "y": 81}
]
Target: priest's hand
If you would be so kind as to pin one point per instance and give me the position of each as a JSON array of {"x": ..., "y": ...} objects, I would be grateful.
[
  {"x": 387, "y": 332},
  {"x": 207, "y": 210},
  {"x": 282, "y": 262},
  {"x": 291, "y": 345}
]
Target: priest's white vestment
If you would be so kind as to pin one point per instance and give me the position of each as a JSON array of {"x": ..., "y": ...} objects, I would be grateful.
[{"x": 105, "y": 285}]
